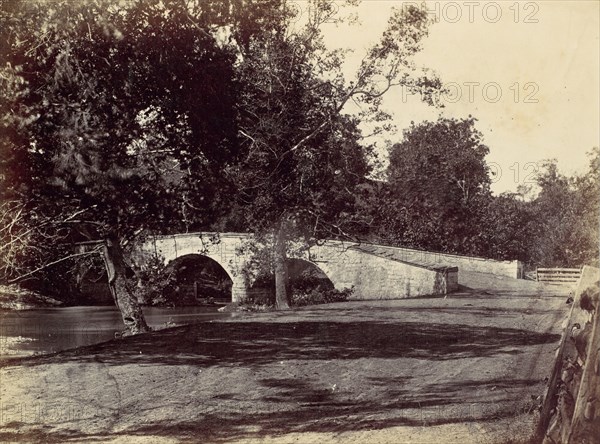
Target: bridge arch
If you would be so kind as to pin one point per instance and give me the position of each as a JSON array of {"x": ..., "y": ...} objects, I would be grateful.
[
  {"x": 305, "y": 272},
  {"x": 223, "y": 252},
  {"x": 304, "y": 277},
  {"x": 198, "y": 277}
]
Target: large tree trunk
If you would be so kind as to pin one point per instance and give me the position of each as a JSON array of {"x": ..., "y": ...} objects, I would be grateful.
[
  {"x": 121, "y": 289},
  {"x": 282, "y": 301}
]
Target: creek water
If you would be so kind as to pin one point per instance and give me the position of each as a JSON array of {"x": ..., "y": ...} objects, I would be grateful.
[{"x": 48, "y": 330}]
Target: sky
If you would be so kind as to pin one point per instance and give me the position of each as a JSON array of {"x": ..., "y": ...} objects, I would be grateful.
[{"x": 528, "y": 71}]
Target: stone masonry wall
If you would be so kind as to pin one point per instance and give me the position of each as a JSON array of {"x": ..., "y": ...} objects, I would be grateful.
[
  {"x": 513, "y": 269},
  {"x": 375, "y": 277},
  {"x": 428, "y": 259}
]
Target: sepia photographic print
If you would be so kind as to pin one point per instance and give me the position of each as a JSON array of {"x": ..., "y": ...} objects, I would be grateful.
[{"x": 299, "y": 221}]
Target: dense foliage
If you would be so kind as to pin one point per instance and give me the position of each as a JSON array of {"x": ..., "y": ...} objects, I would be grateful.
[
  {"x": 438, "y": 198},
  {"x": 101, "y": 127},
  {"x": 438, "y": 182}
]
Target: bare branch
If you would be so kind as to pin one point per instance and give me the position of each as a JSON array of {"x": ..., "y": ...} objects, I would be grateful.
[{"x": 58, "y": 261}]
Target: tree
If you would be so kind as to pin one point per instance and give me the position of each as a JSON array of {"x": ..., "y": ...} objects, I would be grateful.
[
  {"x": 151, "y": 115},
  {"x": 567, "y": 214},
  {"x": 32, "y": 242},
  {"x": 508, "y": 228},
  {"x": 556, "y": 225},
  {"x": 438, "y": 186},
  {"x": 303, "y": 156},
  {"x": 587, "y": 231},
  {"x": 123, "y": 114}
]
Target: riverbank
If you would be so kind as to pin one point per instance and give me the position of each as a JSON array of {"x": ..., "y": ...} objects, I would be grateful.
[
  {"x": 48, "y": 330},
  {"x": 13, "y": 297},
  {"x": 468, "y": 368}
]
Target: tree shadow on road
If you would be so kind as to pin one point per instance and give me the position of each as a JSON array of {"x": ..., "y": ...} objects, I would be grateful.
[
  {"x": 319, "y": 410},
  {"x": 305, "y": 403},
  {"x": 255, "y": 343}
]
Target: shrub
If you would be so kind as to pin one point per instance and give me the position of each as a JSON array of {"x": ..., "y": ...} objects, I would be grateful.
[
  {"x": 320, "y": 295},
  {"x": 307, "y": 289}
]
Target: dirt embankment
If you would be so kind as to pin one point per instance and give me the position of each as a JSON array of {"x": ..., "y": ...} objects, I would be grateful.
[{"x": 468, "y": 368}]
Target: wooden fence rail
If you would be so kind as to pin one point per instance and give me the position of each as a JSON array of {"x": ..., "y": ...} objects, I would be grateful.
[
  {"x": 585, "y": 426},
  {"x": 559, "y": 275},
  {"x": 570, "y": 413}
]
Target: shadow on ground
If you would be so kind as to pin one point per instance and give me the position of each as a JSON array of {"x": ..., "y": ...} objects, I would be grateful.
[
  {"x": 300, "y": 404},
  {"x": 255, "y": 343},
  {"x": 317, "y": 410}
]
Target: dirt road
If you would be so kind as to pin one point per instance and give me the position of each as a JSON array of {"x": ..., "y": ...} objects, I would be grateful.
[{"x": 467, "y": 368}]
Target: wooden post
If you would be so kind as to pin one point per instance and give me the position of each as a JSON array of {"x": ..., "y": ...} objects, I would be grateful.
[
  {"x": 554, "y": 382},
  {"x": 585, "y": 426}
]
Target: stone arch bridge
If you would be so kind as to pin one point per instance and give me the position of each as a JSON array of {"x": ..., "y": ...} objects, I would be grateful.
[{"x": 375, "y": 271}]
